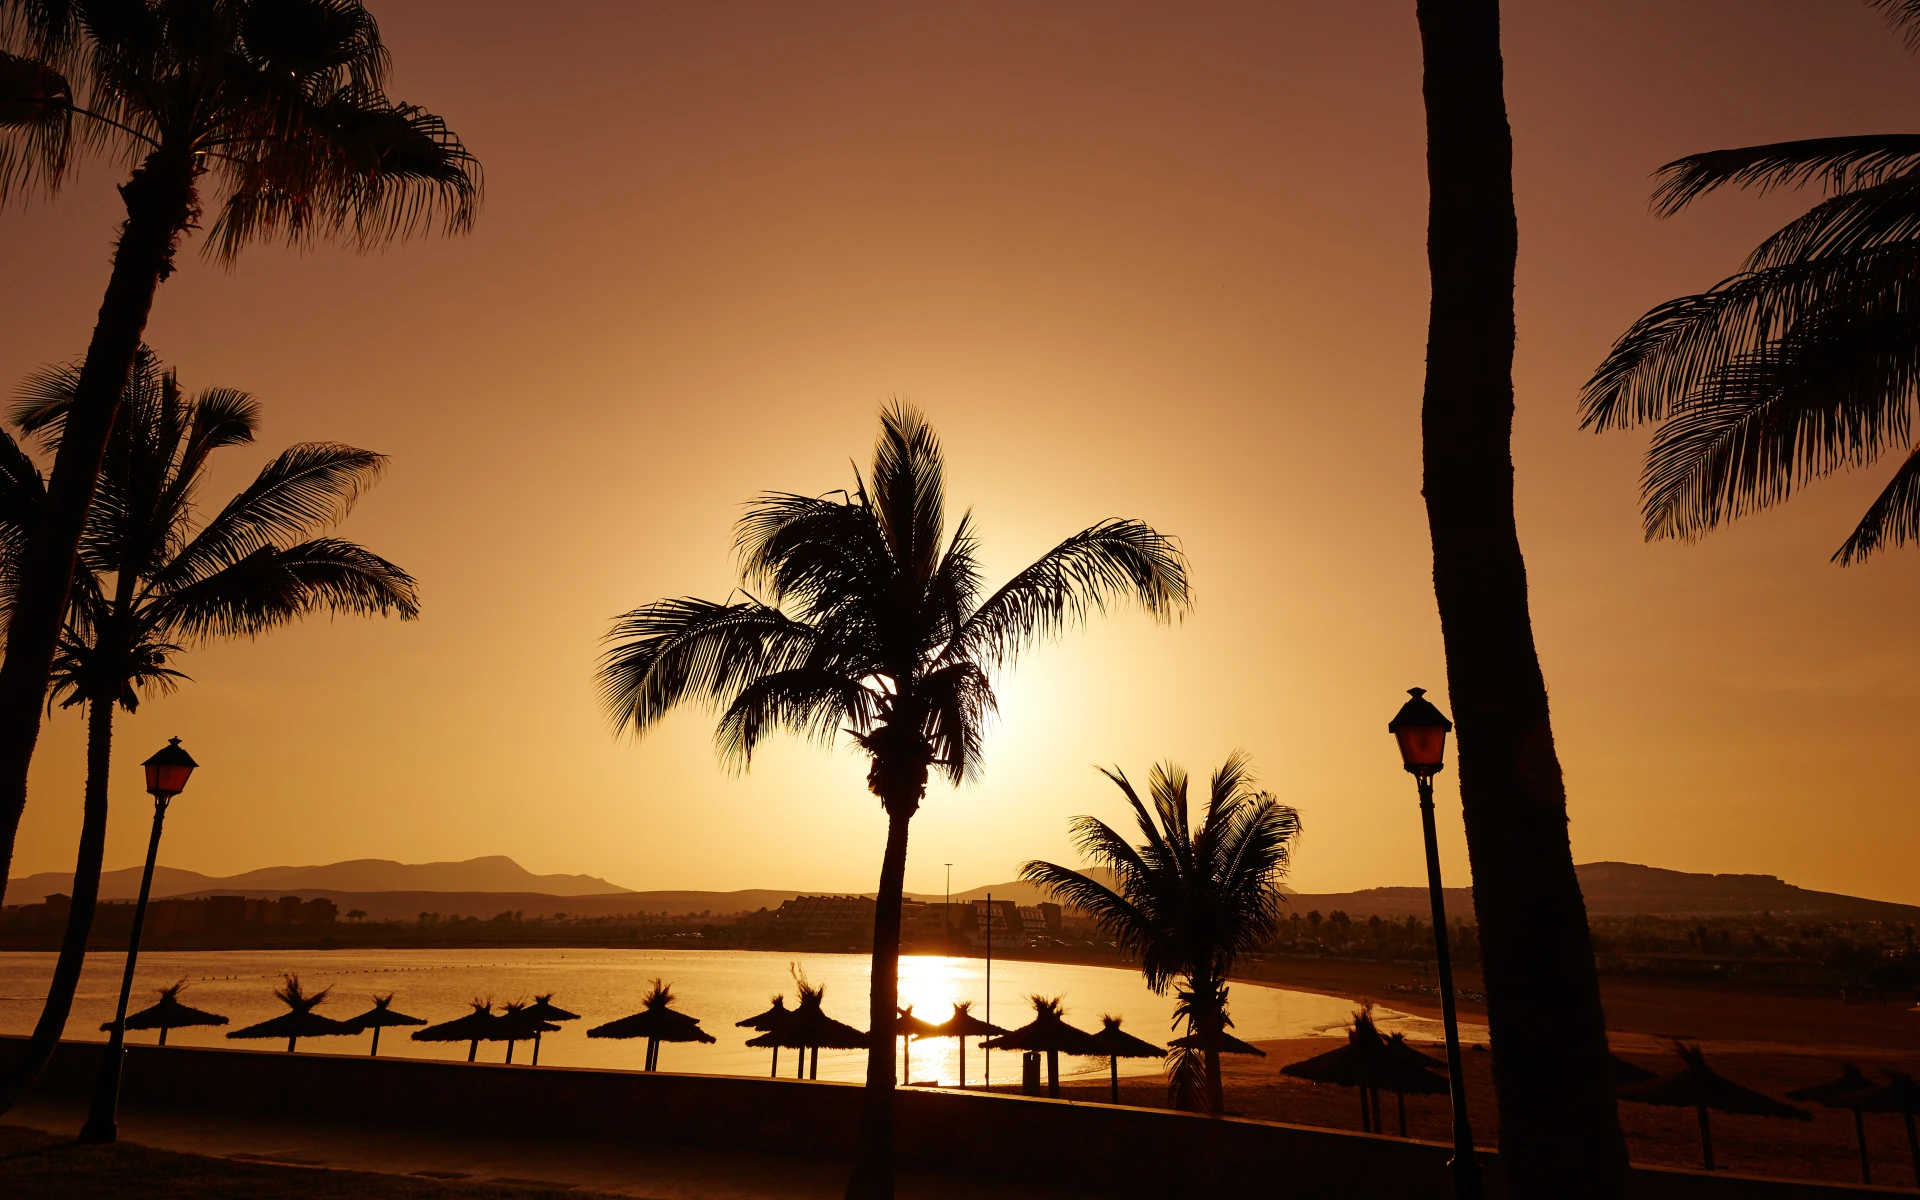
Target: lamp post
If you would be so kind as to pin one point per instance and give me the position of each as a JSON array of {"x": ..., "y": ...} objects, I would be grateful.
[
  {"x": 167, "y": 773},
  {"x": 1421, "y": 729}
]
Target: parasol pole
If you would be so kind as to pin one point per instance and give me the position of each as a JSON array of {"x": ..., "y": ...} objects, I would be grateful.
[
  {"x": 1113, "y": 1065},
  {"x": 986, "y": 1050},
  {"x": 1860, "y": 1136},
  {"x": 375, "y": 1052},
  {"x": 163, "y": 1035},
  {"x": 1706, "y": 1137},
  {"x": 776, "y": 1063},
  {"x": 1913, "y": 1146}
]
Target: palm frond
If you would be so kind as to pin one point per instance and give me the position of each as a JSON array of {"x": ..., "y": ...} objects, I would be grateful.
[
  {"x": 354, "y": 164},
  {"x": 36, "y": 126},
  {"x": 1840, "y": 163},
  {"x": 22, "y": 492},
  {"x": 1894, "y": 515},
  {"x": 1678, "y": 347},
  {"x": 1851, "y": 223},
  {"x": 820, "y": 555},
  {"x": 272, "y": 586},
  {"x": 1837, "y": 391},
  {"x": 909, "y": 491},
  {"x": 808, "y": 701},
  {"x": 959, "y": 701},
  {"x": 1109, "y": 562},
  {"x": 673, "y": 651},
  {"x": 1902, "y": 15},
  {"x": 307, "y": 486}
]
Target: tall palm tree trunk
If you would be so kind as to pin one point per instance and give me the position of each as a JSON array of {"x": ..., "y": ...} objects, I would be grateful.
[
  {"x": 86, "y": 894},
  {"x": 160, "y": 206},
  {"x": 872, "y": 1177},
  {"x": 1559, "y": 1130}
]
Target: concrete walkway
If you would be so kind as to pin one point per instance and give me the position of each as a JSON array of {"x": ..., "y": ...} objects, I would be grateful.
[{"x": 620, "y": 1168}]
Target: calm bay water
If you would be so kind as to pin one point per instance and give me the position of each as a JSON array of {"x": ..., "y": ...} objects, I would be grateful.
[{"x": 719, "y": 987}]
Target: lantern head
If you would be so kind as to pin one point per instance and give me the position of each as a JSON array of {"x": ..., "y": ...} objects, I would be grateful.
[
  {"x": 1421, "y": 729},
  {"x": 168, "y": 769}
]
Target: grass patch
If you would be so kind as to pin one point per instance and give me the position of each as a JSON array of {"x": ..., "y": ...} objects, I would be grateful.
[{"x": 39, "y": 1166}]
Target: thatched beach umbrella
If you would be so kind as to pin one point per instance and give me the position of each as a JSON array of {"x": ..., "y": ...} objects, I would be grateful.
[
  {"x": 544, "y": 1009},
  {"x": 1119, "y": 1044},
  {"x": 777, "y": 1014},
  {"x": 1223, "y": 1041},
  {"x": 657, "y": 1022},
  {"x": 1049, "y": 1032},
  {"x": 381, "y": 1016},
  {"x": 907, "y": 1027},
  {"x": 300, "y": 1020},
  {"x": 1372, "y": 1063},
  {"x": 1701, "y": 1088},
  {"x": 812, "y": 1029},
  {"x": 1626, "y": 1074},
  {"x": 169, "y": 1013},
  {"x": 1900, "y": 1096},
  {"x": 478, "y": 1026},
  {"x": 518, "y": 1024},
  {"x": 1844, "y": 1091},
  {"x": 963, "y": 1025}
]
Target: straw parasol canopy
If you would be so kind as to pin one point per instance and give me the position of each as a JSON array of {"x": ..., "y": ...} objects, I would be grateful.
[
  {"x": 1901, "y": 1096},
  {"x": 963, "y": 1025},
  {"x": 1844, "y": 1091},
  {"x": 1372, "y": 1064},
  {"x": 299, "y": 1020},
  {"x": 480, "y": 1025},
  {"x": 544, "y": 1009},
  {"x": 657, "y": 1022},
  {"x": 169, "y": 1013},
  {"x": 907, "y": 1027},
  {"x": 1626, "y": 1074},
  {"x": 518, "y": 1024},
  {"x": 812, "y": 1029},
  {"x": 777, "y": 1014},
  {"x": 1049, "y": 1032},
  {"x": 1224, "y": 1042},
  {"x": 382, "y": 1016},
  {"x": 1701, "y": 1088},
  {"x": 1119, "y": 1044}
]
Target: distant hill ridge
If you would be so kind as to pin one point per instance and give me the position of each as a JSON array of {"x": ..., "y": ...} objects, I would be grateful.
[
  {"x": 494, "y": 873},
  {"x": 485, "y": 886}
]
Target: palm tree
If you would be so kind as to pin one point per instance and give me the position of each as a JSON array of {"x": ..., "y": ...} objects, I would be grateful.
[
  {"x": 873, "y": 622},
  {"x": 1559, "y": 1128},
  {"x": 272, "y": 110},
  {"x": 153, "y": 578},
  {"x": 1799, "y": 366},
  {"x": 1186, "y": 901}
]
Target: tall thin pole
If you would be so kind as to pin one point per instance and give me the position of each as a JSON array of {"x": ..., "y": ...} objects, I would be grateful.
[
  {"x": 986, "y": 1067},
  {"x": 102, "y": 1122},
  {"x": 1466, "y": 1167},
  {"x": 946, "y": 914}
]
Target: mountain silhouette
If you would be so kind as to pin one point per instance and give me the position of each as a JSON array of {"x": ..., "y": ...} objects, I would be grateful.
[{"x": 495, "y": 873}]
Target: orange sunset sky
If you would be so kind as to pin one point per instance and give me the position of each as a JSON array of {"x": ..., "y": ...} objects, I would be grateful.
[{"x": 1159, "y": 261}]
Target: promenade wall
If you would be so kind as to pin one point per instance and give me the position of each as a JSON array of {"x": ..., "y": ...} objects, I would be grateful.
[{"x": 1129, "y": 1151}]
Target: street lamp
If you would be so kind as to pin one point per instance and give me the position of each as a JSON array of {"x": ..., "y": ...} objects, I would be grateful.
[
  {"x": 167, "y": 773},
  {"x": 1421, "y": 729}
]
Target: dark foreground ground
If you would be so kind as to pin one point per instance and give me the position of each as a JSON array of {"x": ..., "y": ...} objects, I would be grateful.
[{"x": 39, "y": 1166}]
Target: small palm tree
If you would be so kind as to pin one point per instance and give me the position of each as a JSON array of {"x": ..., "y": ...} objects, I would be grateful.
[
  {"x": 273, "y": 114},
  {"x": 874, "y": 621},
  {"x": 1188, "y": 900},
  {"x": 1799, "y": 366},
  {"x": 150, "y": 581}
]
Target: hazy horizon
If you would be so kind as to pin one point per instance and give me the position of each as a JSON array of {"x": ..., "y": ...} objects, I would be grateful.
[{"x": 1156, "y": 264}]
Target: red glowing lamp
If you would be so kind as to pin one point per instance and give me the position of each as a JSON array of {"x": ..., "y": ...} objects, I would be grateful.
[
  {"x": 168, "y": 769},
  {"x": 1421, "y": 729}
]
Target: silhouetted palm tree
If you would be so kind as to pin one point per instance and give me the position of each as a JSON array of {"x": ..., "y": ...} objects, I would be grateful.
[
  {"x": 1559, "y": 1127},
  {"x": 1804, "y": 363},
  {"x": 280, "y": 106},
  {"x": 873, "y": 622},
  {"x": 1187, "y": 900},
  {"x": 149, "y": 581}
]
